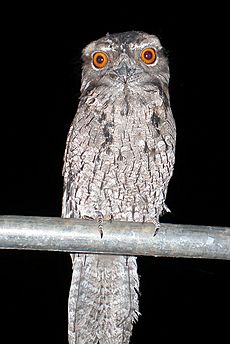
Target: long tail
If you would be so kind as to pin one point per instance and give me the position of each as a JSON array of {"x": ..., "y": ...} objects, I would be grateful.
[{"x": 103, "y": 299}]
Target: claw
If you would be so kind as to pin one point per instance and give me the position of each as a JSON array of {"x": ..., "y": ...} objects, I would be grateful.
[
  {"x": 111, "y": 218},
  {"x": 156, "y": 230},
  {"x": 86, "y": 217},
  {"x": 101, "y": 232},
  {"x": 156, "y": 227},
  {"x": 100, "y": 222}
]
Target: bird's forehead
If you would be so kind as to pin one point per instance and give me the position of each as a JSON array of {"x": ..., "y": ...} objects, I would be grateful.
[
  {"x": 130, "y": 40},
  {"x": 123, "y": 42}
]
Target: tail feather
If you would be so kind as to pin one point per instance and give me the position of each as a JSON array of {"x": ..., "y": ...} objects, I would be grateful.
[{"x": 103, "y": 299}]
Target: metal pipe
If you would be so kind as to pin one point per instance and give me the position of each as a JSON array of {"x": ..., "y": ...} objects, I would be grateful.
[{"x": 124, "y": 238}]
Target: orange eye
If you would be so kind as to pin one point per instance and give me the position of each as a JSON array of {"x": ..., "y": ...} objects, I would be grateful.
[
  {"x": 100, "y": 59},
  {"x": 148, "y": 55}
]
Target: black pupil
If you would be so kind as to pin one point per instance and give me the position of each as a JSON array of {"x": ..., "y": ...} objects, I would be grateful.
[
  {"x": 148, "y": 55},
  {"x": 100, "y": 59}
]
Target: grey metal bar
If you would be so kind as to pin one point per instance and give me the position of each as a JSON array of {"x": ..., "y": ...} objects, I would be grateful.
[{"x": 126, "y": 238}]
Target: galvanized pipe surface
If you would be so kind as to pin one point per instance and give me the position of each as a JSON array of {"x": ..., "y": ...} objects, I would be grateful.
[{"x": 125, "y": 238}]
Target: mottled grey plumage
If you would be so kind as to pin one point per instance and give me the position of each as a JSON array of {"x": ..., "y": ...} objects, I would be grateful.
[{"x": 118, "y": 162}]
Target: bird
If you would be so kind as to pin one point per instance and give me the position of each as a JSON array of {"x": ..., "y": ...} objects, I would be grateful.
[{"x": 118, "y": 161}]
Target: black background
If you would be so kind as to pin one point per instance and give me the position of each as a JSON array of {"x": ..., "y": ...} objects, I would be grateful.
[{"x": 181, "y": 299}]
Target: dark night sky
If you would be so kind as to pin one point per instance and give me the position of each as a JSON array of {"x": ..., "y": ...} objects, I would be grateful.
[{"x": 41, "y": 48}]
